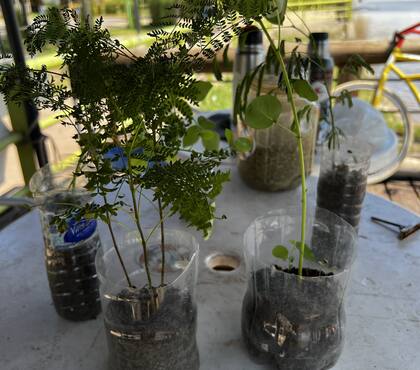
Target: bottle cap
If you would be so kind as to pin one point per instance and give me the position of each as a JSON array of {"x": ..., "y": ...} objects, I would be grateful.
[{"x": 319, "y": 36}]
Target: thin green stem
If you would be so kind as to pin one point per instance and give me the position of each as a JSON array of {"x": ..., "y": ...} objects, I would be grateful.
[
  {"x": 136, "y": 210},
  {"x": 162, "y": 228},
  {"x": 140, "y": 230},
  {"x": 289, "y": 92},
  {"x": 117, "y": 250},
  {"x": 162, "y": 243},
  {"x": 108, "y": 217}
]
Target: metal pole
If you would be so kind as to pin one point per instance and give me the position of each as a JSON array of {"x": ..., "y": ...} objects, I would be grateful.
[{"x": 13, "y": 34}]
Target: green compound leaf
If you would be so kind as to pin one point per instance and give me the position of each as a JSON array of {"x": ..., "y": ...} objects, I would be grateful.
[
  {"x": 203, "y": 88},
  {"x": 304, "y": 90},
  {"x": 192, "y": 135},
  {"x": 263, "y": 112},
  {"x": 210, "y": 139},
  {"x": 243, "y": 145},
  {"x": 281, "y": 252},
  {"x": 250, "y": 8},
  {"x": 206, "y": 123}
]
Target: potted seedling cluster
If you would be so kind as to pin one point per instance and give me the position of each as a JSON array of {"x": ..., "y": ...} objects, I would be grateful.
[{"x": 136, "y": 130}]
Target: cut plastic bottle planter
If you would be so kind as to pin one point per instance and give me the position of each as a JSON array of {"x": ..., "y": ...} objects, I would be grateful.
[
  {"x": 151, "y": 329},
  {"x": 69, "y": 255},
  {"x": 292, "y": 322}
]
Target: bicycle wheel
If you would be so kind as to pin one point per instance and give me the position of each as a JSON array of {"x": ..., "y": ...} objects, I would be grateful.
[{"x": 395, "y": 114}]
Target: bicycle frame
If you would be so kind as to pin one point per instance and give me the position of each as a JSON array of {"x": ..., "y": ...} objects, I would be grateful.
[{"x": 395, "y": 56}]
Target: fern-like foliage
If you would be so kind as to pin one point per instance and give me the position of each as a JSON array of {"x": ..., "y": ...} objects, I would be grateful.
[{"x": 141, "y": 107}]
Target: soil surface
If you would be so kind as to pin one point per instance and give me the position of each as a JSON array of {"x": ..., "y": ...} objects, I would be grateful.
[
  {"x": 293, "y": 324},
  {"x": 305, "y": 272},
  {"x": 163, "y": 340}
]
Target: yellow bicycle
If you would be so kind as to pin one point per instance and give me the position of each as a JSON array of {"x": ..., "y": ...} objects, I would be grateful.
[{"x": 388, "y": 102}]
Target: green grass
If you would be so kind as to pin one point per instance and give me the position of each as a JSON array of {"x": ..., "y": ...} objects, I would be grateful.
[{"x": 219, "y": 97}]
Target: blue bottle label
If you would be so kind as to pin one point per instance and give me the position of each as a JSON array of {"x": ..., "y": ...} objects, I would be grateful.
[
  {"x": 79, "y": 230},
  {"x": 76, "y": 232}
]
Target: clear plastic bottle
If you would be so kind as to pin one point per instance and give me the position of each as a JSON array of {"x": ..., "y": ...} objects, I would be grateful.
[
  {"x": 343, "y": 179},
  {"x": 273, "y": 164},
  {"x": 292, "y": 322},
  {"x": 69, "y": 255},
  {"x": 153, "y": 329}
]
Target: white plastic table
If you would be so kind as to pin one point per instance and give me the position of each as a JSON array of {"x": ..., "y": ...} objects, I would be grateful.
[{"x": 383, "y": 304}]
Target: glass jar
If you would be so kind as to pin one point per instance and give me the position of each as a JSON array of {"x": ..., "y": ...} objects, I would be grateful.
[
  {"x": 70, "y": 254},
  {"x": 292, "y": 322},
  {"x": 343, "y": 179},
  {"x": 153, "y": 329},
  {"x": 273, "y": 164}
]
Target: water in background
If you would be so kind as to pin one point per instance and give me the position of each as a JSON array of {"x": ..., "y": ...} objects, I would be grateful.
[{"x": 379, "y": 20}]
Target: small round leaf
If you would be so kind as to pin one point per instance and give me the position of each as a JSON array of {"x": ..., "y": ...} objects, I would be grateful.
[
  {"x": 192, "y": 135},
  {"x": 229, "y": 136},
  {"x": 263, "y": 112},
  {"x": 210, "y": 139},
  {"x": 203, "y": 88},
  {"x": 281, "y": 252},
  {"x": 206, "y": 123},
  {"x": 279, "y": 13},
  {"x": 243, "y": 145}
]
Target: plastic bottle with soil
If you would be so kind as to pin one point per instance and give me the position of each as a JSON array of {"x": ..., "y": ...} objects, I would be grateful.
[
  {"x": 69, "y": 254},
  {"x": 151, "y": 328},
  {"x": 273, "y": 164},
  {"x": 343, "y": 179},
  {"x": 296, "y": 322}
]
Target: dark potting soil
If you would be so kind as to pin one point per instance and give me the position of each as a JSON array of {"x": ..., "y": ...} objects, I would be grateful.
[
  {"x": 293, "y": 324},
  {"x": 305, "y": 272},
  {"x": 73, "y": 280},
  {"x": 70, "y": 266},
  {"x": 166, "y": 340},
  {"x": 276, "y": 168},
  {"x": 342, "y": 191}
]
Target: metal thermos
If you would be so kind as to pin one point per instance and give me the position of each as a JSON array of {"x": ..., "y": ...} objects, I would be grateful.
[
  {"x": 249, "y": 54},
  {"x": 322, "y": 65},
  {"x": 321, "y": 77}
]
